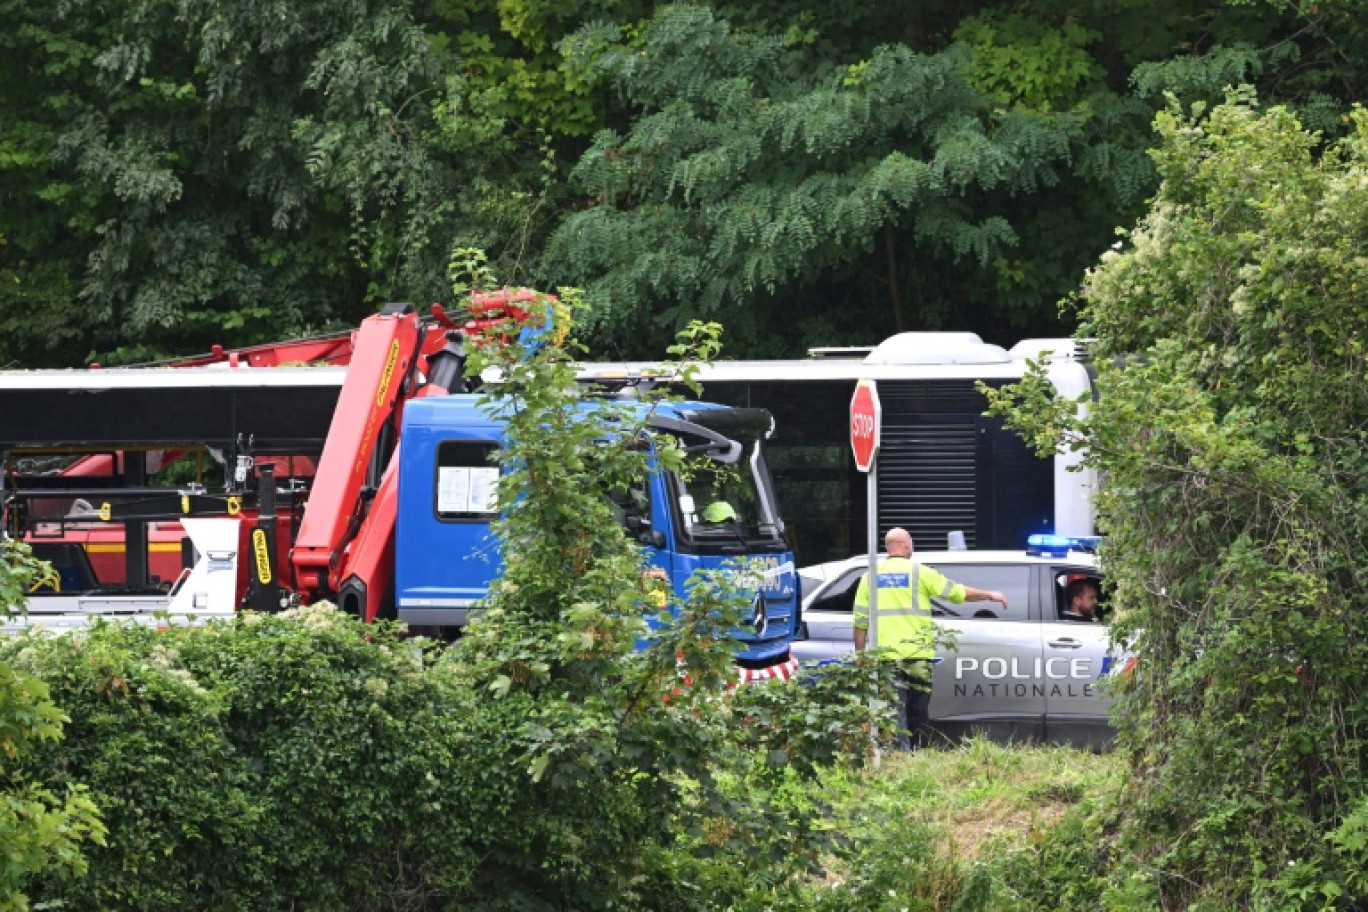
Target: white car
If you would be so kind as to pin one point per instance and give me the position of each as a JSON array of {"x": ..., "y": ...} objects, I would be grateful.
[{"x": 1023, "y": 673}]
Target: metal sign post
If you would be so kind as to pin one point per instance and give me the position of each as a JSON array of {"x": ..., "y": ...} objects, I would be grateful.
[
  {"x": 872, "y": 532},
  {"x": 866, "y": 421}
]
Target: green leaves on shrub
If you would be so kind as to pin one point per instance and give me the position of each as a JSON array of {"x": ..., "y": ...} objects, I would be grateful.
[
  {"x": 272, "y": 763},
  {"x": 42, "y": 830},
  {"x": 1230, "y": 430}
]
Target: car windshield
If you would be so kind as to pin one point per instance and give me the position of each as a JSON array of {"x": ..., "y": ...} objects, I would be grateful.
[{"x": 723, "y": 505}]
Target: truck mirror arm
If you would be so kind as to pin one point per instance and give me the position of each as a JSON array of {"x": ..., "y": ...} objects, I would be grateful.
[{"x": 719, "y": 446}]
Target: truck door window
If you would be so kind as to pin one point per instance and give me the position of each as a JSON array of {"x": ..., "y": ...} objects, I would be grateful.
[
  {"x": 632, "y": 510},
  {"x": 731, "y": 502},
  {"x": 467, "y": 481}
]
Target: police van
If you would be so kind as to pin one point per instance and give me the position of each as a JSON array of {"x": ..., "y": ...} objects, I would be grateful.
[{"x": 1028, "y": 672}]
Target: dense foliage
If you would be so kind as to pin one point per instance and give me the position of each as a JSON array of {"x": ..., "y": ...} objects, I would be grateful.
[
  {"x": 42, "y": 831},
  {"x": 184, "y": 171},
  {"x": 749, "y": 171},
  {"x": 174, "y": 174},
  {"x": 1230, "y": 431}
]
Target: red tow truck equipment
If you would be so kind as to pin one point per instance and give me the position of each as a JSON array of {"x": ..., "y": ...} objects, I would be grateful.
[{"x": 256, "y": 412}]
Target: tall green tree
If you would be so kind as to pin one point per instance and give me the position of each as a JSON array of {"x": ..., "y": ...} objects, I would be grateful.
[
  {"x": 45, "y": 219},
  {"x": 176, "y": 174},
  {"x": 1230, "y": 429},
  {"x": 706, "y": 88},
  {"x": 197, "y": 170},
  {"x": 758, "y": 172}
]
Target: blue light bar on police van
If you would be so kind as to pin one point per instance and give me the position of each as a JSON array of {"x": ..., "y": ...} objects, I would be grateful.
[{"x": 1042, "y": 545}]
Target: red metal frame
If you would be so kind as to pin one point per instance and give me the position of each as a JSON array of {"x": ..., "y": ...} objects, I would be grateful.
[{"x": 383, "y": 358}]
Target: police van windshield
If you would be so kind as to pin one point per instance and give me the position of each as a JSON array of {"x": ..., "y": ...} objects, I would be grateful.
[{"x": 728, "y": 508}]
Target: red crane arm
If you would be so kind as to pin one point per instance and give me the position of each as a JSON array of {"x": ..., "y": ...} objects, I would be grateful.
[{"x": 383, "y": 360}]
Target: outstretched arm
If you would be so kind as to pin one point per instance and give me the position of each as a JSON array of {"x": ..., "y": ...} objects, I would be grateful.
[{"x": 984, "y": 595}]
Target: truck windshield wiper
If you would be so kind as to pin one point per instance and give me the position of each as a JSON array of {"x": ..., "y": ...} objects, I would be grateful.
[{"x": 735, "y": 528}]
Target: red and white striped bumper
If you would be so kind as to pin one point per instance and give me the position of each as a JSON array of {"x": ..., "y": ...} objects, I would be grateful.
[{"x": 784, "y": 671}]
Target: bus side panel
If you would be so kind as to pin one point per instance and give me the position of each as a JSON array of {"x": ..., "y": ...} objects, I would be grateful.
[
  {"x": 943, "y": 467},
  {"x": 1016, "y": 489}
]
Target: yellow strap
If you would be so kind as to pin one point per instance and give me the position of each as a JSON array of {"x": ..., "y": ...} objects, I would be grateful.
[{"x": 51, "y": 579}]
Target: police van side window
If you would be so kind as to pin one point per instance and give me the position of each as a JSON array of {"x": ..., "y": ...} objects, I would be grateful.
[
  {"x": 840, "y": 595},
  {"x": 1071, "y": 583},
  {"x": 1013, "y": 582}
]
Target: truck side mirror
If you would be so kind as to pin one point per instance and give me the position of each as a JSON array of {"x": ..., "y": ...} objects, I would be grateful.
[{"x": 640, "y": 528}]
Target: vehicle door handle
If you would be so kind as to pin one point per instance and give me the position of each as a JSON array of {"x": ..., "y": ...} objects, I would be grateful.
[{"x": 1065, "y": 644}]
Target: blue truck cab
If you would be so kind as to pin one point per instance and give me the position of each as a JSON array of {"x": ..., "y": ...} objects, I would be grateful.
[{"x": 724, "y": 514}]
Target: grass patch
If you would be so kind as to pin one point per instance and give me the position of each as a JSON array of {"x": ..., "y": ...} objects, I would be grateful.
[
  {"x": 976, "y": 791},
  {"x": 927, "y": 828}
]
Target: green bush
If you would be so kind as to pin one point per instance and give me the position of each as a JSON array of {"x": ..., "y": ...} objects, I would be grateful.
[
  {"x": 41, "y": 832},
  {"x": 300, "y": 761},
  {"x": 271, "y": 763},
  {"x": 1230, "y": 427},
  {"x": 1071, "y": 867}
]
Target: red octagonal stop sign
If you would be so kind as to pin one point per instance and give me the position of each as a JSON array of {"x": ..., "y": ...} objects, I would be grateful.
[{"x": 866, "y": 419}]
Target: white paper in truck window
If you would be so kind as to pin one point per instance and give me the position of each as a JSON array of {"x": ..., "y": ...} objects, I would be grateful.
[
  {"x": 453, "y": 489},
  {"x": 484, "y": 490}
]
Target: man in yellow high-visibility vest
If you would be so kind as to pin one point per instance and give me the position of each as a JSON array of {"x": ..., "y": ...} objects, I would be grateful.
[{"x": 905, "y": 626}]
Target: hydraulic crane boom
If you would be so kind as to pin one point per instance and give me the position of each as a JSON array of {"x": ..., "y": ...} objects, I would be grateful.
[
  {"x": 384, "y": 356},
  {"x": 345, "y": 545}
]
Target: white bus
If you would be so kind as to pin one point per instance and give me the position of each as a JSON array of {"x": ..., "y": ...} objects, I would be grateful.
[{"x": 943, "y": 466}]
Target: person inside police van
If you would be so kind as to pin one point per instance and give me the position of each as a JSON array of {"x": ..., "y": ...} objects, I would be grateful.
[
  {"x": 905, "y": 628},
  {"x": 1080, "y": 600}
]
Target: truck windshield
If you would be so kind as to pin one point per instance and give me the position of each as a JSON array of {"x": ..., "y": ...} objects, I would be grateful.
[{"x": 729, "y": 508}]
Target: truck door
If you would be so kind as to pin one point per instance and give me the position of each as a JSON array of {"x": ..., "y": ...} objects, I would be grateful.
[
  {"x": 989, "y": 679},
  {"x": 641, "y": 513},
  {"x": 446, "y": 551}
]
